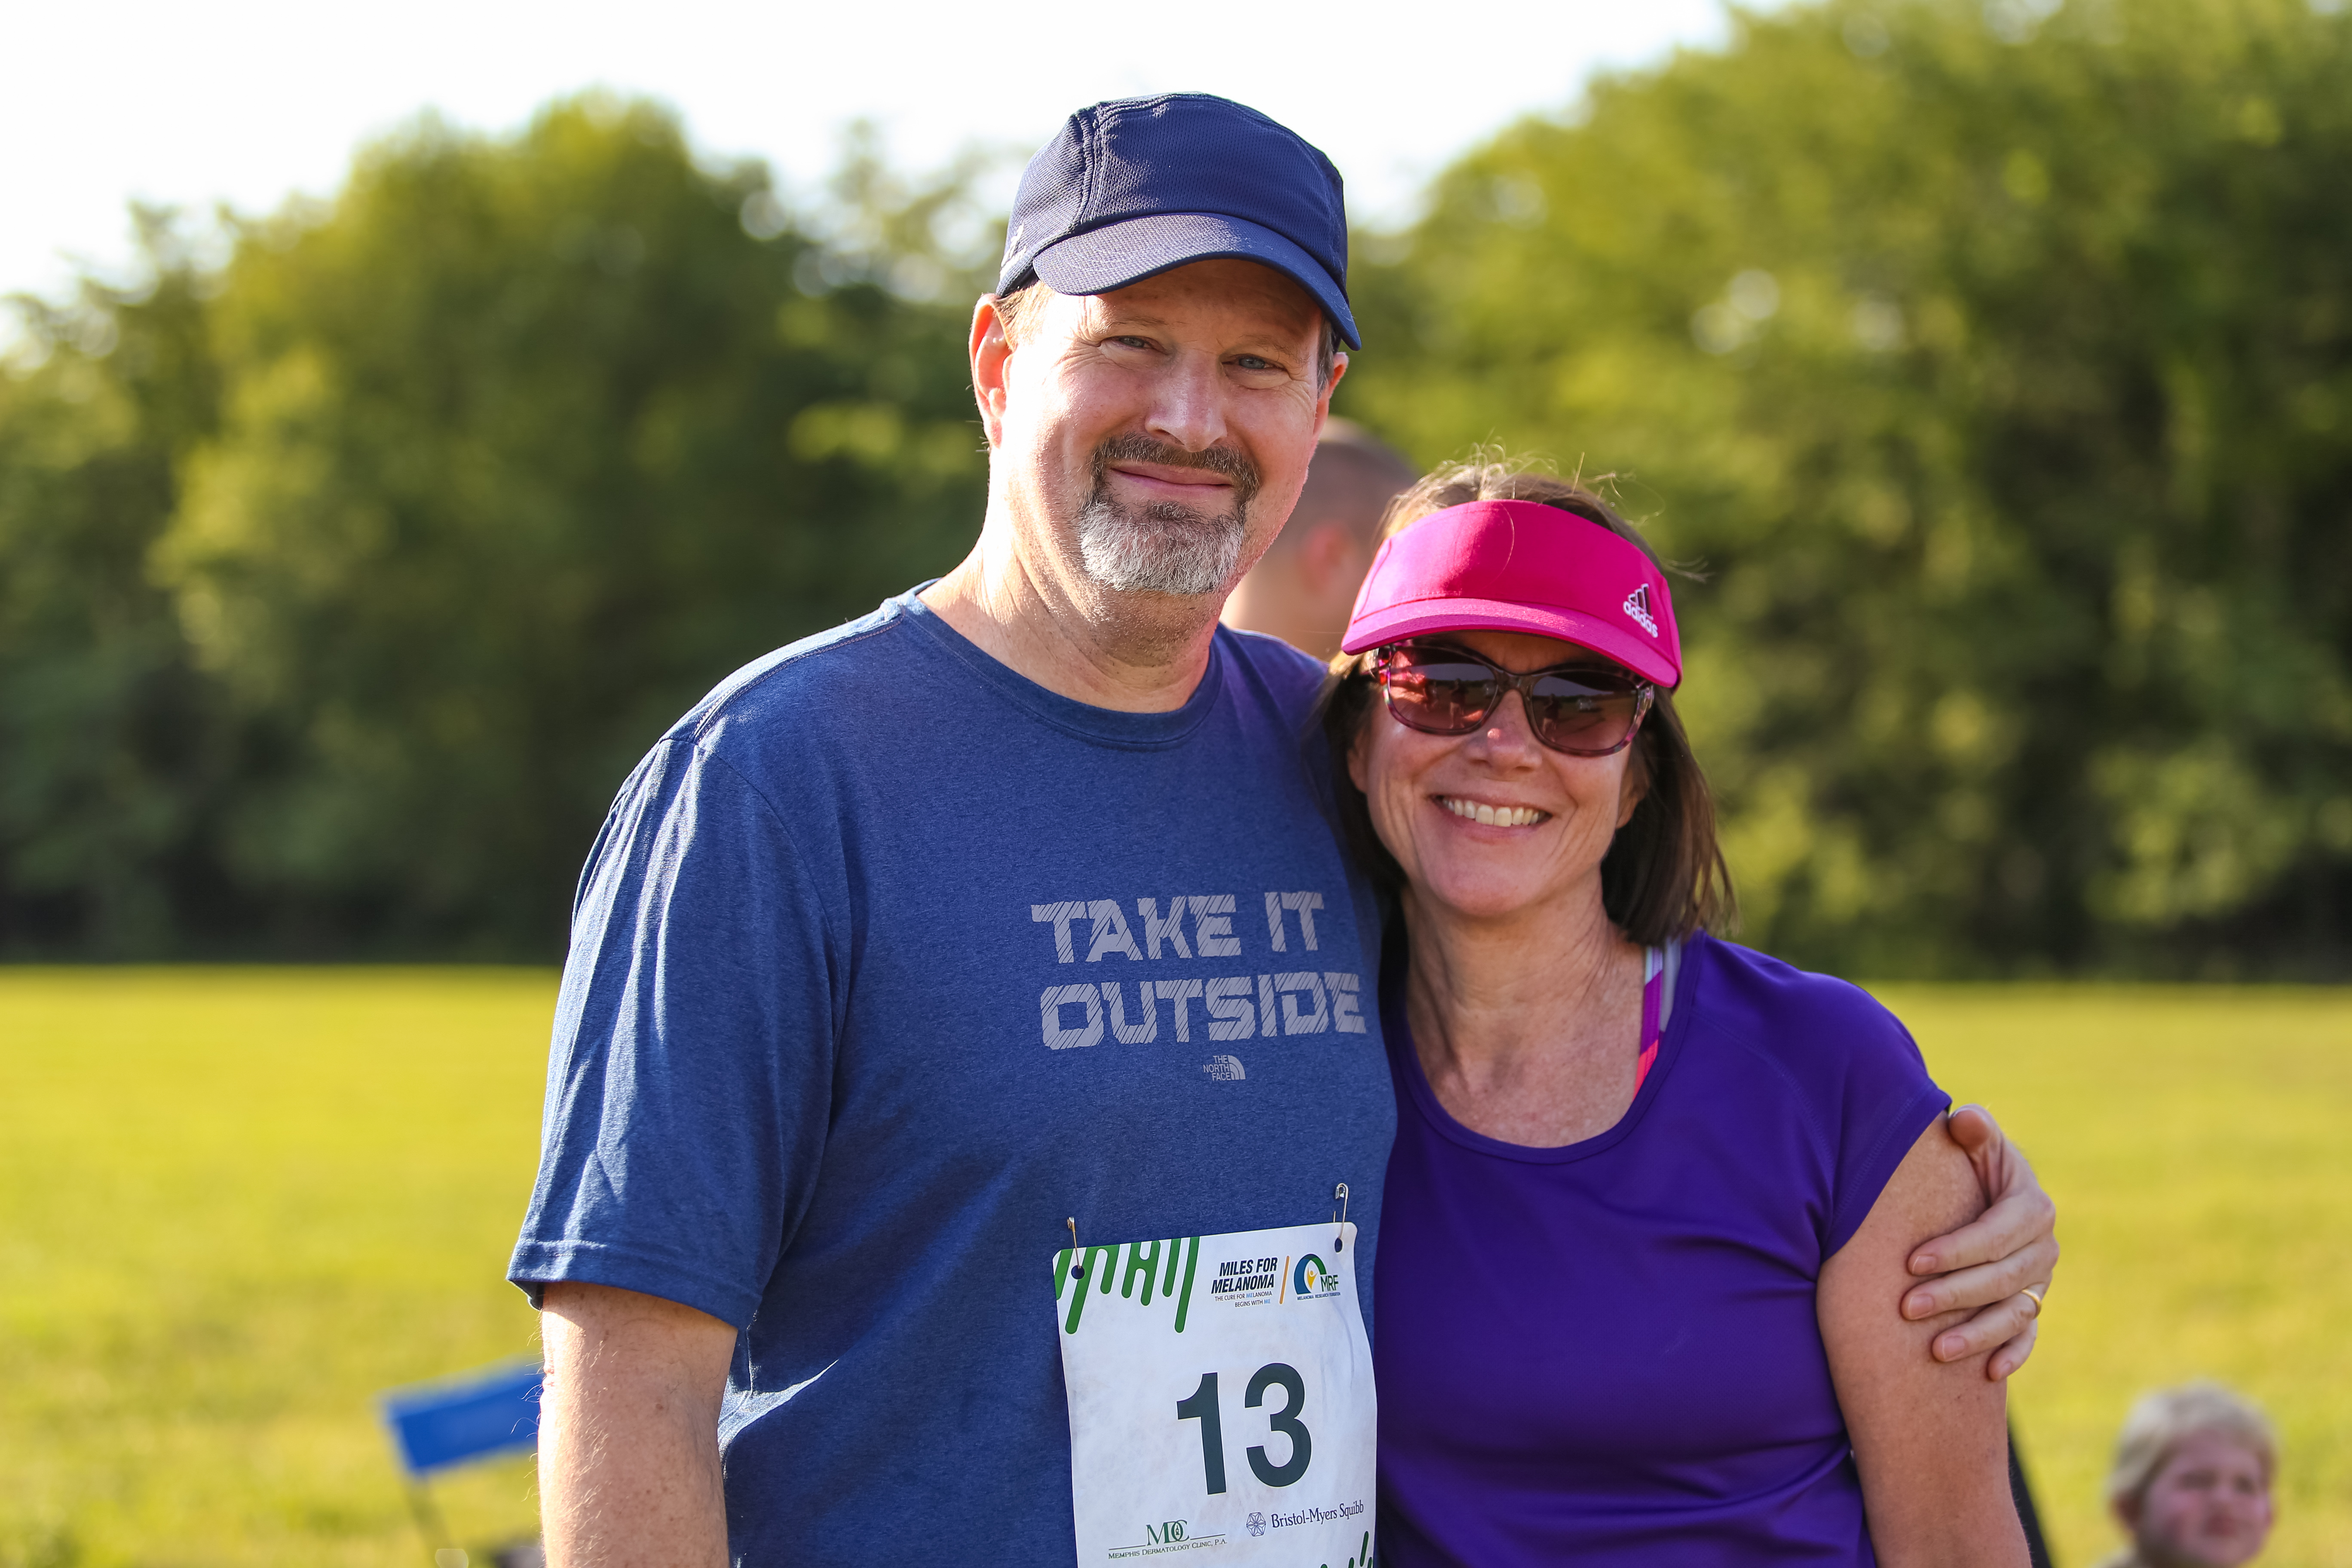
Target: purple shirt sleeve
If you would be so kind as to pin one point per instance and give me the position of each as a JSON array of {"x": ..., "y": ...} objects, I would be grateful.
[
  {"x": 1889, "y": 1100},
  {"x": 1854, "y": 1071}
]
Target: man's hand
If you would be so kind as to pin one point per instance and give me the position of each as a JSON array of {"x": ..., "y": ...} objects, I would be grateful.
[
  {"x": 629, "y": 1433},
  {"x": 1992, "y": 1263}
]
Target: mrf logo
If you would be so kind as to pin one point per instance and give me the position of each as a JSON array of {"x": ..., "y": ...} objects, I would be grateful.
[
  {"x": 1165, "y": 1534},
  {"x": 1312, "y": 1279}
]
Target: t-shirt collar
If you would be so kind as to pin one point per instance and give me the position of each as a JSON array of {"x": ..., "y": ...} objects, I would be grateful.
[{"x": 1106, "y": 726}]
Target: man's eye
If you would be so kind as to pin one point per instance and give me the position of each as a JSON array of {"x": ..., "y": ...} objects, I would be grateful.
[{"x": 1251, "y": 362}]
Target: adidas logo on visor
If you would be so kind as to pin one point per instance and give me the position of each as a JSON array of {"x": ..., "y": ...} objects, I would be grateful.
[{"x": 1637, "y": 605}]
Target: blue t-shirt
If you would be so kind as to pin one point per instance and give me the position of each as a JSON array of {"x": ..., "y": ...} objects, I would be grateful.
[
  {"x": 887, "y": 962},
  {"x": 1608, "y": 1352}
]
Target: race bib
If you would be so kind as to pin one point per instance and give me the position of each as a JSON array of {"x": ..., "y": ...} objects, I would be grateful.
[{"x": 1221, "y": 1398}]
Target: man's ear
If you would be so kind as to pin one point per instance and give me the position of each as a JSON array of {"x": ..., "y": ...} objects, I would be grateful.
[
  {"x": 1323, "y": 400},
  {"x": 990, "y": 357}
]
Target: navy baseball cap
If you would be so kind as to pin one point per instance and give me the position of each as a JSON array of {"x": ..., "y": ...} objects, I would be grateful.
[{"x": 1137, "y": 186}]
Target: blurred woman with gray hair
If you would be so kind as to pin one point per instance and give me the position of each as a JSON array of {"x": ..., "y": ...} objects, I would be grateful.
[{"x": 2191, "y": 1482}]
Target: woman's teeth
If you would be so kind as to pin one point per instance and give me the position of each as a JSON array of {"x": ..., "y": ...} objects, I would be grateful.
[{"x": 1493, "y": 816}]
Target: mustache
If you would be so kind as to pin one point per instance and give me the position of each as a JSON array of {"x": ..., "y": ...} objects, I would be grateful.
[{"x": 1223, "y": 461}]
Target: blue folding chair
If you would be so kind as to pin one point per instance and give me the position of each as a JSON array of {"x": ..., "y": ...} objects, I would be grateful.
[{"x": 476, "y": 1415}]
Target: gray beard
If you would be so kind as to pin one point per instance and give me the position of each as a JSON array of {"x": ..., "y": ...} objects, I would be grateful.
[{"x": 1164, "y": 549}]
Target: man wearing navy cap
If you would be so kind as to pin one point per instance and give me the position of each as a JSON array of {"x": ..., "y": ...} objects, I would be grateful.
[{"x": 1005, "y": 919}]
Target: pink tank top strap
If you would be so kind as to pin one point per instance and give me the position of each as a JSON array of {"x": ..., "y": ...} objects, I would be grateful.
[{"x": 1653, "y": 989}]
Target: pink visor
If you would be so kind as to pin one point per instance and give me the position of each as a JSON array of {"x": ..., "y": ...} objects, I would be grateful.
[{"x": 1521, "y": 566}]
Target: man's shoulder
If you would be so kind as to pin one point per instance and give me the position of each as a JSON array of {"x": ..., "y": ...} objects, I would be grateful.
[
  {"x": 799, "y": 688},
  {"x": 1293, "y": 679},
  {"x": 784, "y": 710}
]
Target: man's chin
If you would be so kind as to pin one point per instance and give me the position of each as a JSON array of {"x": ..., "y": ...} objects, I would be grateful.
[
  {"x": 1184, "y": 557},
  {"x": 1160, "y": 584}
]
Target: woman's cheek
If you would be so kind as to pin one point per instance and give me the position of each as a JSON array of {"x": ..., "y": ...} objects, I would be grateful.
[
  {"x": 1390, "y": 793},
  {"x": 1393, "y": 821}
]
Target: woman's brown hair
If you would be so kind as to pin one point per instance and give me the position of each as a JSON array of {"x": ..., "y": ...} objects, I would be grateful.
[{"x": 1664, "y": 877}]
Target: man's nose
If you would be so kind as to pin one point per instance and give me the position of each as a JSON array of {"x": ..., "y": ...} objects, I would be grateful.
[{"x": 1187, "y": 403}]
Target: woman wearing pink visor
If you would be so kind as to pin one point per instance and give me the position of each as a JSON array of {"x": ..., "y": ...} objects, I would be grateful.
[{"x": 1652, "y": 1194}]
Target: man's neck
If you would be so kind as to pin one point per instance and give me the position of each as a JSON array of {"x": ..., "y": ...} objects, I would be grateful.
[{"x": 1136, "y": 653}]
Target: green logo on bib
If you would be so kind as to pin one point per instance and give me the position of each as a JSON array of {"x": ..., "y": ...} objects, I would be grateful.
[{"x": 1311, "y": 1277}]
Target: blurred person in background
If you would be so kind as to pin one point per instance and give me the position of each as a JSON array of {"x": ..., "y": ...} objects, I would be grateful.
[
  {"x": 2191, "y": 1483},
  {"x": 1304, "y": 585},
  {"x": 813, "y": 1132}
]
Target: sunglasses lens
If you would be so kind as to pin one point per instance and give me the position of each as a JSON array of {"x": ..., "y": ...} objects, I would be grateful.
[
  {"x": 1585, "y": 710},
  {"x": 1581, "y": 712},
  {"x": 1440, "y": 694}
]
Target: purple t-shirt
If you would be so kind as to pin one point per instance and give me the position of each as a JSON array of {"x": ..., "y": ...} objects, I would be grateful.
[{"x": 1607, "y": 1352}]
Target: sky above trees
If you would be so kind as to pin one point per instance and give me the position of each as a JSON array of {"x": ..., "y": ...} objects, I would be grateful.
[{"x": 248, "y": 100}]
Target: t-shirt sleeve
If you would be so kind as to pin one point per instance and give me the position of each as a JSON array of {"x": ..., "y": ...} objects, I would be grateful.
[
  {"x": 1882, "y": 1100},
  {"x": 688, "y": 1081}
]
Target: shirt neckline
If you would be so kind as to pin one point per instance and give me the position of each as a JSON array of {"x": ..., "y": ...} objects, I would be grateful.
[
  {"x": 1103, "y": 726},
  {"x": 1404, "y": 1064}
]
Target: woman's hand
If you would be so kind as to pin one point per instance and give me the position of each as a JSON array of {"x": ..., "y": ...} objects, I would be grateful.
[{"x": 1993, "y": 1262}]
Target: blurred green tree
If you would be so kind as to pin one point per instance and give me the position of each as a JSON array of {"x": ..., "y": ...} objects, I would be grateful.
[
  {"x": 1995, "y": 361},
  {"x": 117, "y": 752},
  {"x": 521, "y": 444}
]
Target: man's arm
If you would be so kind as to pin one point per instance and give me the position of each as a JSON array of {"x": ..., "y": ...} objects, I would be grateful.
[
  {"x": 1929, "y": 1437},
  {"x": 1991, "y": 1262},
  {"x": 629, "y": 1433}
]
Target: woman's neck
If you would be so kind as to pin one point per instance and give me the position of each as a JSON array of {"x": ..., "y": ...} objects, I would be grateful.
[{"x": 1526, "y": 1025}]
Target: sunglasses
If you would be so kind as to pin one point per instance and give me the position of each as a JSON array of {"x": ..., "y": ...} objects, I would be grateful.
[{"x": 1583, "y": 710}]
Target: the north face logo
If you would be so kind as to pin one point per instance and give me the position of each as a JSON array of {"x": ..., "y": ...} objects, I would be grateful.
[{"x": 1637, "y": 605}]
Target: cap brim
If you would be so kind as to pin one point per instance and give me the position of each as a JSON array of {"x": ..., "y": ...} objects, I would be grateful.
[
  {"x": 1424, "y": 617},
  {"x": 1119, "y": 254}
]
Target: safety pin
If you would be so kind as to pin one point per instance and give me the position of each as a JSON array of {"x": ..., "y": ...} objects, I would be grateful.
[
  {"x": 1077, "y": 1255},
  {"x": 1338, "y": 1217}
]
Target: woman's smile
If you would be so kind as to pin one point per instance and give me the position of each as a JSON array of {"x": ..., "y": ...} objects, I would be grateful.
[{"x": 1487, "y": 814}]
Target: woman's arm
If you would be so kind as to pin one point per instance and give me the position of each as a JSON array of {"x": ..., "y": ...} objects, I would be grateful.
[{"x": 1929, "y": 1437}]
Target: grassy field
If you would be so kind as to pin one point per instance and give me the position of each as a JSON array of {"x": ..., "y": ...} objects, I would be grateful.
[
  {"x": 2200, "y": 1143},
  {"x": 236, "y": 1204}
]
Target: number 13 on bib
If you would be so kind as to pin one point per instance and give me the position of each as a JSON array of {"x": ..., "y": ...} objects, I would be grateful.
[{"x": 1221, "y": 1398}]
